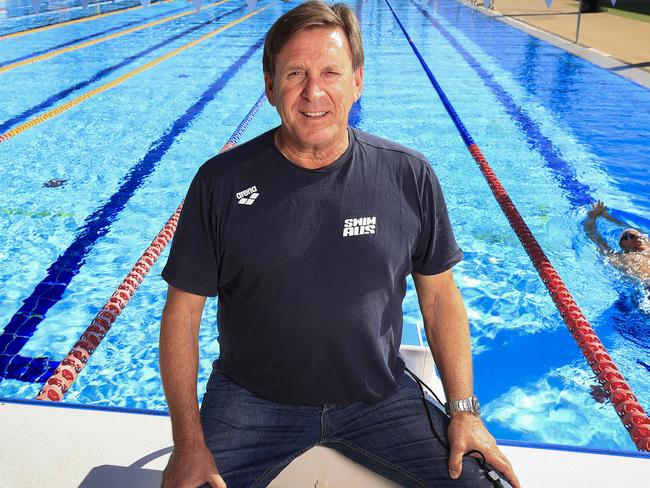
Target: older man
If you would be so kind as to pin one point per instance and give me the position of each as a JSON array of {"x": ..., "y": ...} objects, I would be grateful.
[{"x": 307, "y": 234}]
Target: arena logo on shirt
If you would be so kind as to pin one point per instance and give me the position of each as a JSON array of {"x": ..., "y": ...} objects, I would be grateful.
[
  {"x": 359, "y": 226},
  {"x": 247, "y": 196}
]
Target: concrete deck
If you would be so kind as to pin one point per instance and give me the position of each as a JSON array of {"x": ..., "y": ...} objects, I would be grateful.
[
  {"x": 50, "y": 446},
  {"x": 617, "y": 43}
]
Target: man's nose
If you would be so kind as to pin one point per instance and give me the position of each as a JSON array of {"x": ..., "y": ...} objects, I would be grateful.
[{"x": 312, "y": 88}]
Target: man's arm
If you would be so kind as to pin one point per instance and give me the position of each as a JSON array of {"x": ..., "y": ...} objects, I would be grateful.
[
  {"x": 447, "y": 329},
  {"x": 191, "y": 464}
]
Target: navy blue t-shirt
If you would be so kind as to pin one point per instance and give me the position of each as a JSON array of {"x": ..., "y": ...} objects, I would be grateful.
[{"x": 310, "y": 266}]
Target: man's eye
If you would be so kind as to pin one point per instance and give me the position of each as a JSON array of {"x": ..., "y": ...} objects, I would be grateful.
[{"x": 294, "y": 74}]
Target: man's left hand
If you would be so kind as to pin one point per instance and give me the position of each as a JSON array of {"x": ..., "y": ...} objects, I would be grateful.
[{"x": 466, "y": 432}]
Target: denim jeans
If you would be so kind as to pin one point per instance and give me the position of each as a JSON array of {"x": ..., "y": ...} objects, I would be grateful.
[{"x": 253, "y": 439}]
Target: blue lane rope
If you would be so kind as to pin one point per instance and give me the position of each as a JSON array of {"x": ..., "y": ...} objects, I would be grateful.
[
  {"x": 578, "y": 193},
  {"x": 464, "y": 133},
  {"x": 241, "y": 128}
]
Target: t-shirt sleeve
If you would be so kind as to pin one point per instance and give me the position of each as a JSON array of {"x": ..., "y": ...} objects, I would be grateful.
[
  {"x": 192, "y": 262},
  {"x": 436, "y": 250}
]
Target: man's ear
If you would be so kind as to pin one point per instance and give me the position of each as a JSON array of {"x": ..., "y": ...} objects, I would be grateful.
[
  {"x": 268, "y": 88},
  {"x": 358, "y": 82}
]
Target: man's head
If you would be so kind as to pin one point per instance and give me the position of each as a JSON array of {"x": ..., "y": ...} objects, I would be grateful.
[
  {"x": 309, "y": 15},
  {"x": 313, "y": 72},
  {"x": 632, "y": 240}
]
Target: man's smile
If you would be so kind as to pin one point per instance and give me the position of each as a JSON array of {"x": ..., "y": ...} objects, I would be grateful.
[{"x": 314, "y": 114}]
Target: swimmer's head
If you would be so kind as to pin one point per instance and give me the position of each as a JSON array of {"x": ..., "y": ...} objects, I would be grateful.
[{"x": 632, "y": 240}]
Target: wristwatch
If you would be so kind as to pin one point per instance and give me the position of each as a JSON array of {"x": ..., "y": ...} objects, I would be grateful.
[{"x": 470, "y": 405}]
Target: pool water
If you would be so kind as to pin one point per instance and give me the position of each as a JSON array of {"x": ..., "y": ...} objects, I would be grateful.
[{"x": 559, "y": 132}]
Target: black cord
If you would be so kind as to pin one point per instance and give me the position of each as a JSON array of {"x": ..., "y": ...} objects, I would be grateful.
[
  {"x": 489, "y": 473},
  {"x": 426, "y": 408}
]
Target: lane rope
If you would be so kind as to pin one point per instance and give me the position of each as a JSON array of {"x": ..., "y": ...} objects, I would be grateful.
[
  {"x": 109, "y": 37},
  {"x": 19, "y": 129},
  {"x": 69, "y": 369},
  {"x": 628, "y": 408},
  {"x": 77, "y": 21}
]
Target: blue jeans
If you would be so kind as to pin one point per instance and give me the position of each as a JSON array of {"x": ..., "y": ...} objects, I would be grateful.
[{"x": 253, "y": 439}]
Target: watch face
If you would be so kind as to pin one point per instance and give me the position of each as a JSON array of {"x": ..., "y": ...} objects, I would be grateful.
[{"x": 476, "y": 405}]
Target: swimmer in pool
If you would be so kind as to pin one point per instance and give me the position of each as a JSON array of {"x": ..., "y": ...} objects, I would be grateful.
[{"x": 634, "y": 257}]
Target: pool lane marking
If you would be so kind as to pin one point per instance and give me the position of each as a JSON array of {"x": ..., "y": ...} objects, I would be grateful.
[
  {"x": 16, "y": 367},
  {"x": 60, "y": 381},
  {"x": 57, "y": 97},
  {"x": 49, "y": 291},
  {"x": 110, "y": 37},
  {"x": 85, "y": 38},
  {"x": 625, "y": 403},
  {"x": 72, "y": 103},
  {"x": 75, "y": 21},
  {"x": 578, "y": 194}
]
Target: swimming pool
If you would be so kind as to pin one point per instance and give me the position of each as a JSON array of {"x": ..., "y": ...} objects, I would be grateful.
[{"x": 558, "y": 131}]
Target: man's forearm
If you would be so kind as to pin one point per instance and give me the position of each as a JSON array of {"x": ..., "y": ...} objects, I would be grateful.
[
  {"x": 445, "y": 322},
  {"x": 179, "y": 369},
  {"x": 447, "y": 329}
]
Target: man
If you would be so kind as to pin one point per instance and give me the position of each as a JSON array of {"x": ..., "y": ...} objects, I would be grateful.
[
  {"x": 307, "y": 234},
  {"x": 634, "y": 257}
]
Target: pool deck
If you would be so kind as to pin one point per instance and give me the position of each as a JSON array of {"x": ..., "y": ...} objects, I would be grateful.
[
  {"x": 617, "y": 43},
  {"x": 49, "y": 444},
  {"x": 52, "y": 446}
]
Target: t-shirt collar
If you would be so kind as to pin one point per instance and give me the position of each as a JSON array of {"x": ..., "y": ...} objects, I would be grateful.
[{"x": 340, "y": 161}]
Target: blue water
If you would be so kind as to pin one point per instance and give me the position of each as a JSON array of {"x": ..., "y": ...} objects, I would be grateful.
[
  {"x": 22, "y": 15},
  {"x": 559, "y": 132}
]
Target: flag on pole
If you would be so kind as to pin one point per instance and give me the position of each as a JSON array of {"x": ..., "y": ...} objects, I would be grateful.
[
  {"x": 197, "y": 4},
  {"x": 548, "y": 3},
  {"x": 36, "y": 4}
]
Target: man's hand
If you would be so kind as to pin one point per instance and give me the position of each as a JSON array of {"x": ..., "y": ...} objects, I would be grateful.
[
  {"x": 465, "y": 433},
  {"x": 191, "y": 466}
]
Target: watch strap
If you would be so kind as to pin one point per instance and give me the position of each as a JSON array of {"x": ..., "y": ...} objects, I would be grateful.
[{"x": 470, "y": 404}]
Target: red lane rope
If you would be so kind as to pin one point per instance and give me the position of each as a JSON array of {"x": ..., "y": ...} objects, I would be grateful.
[
  {"x": 56, "y": 386},
  {"x": 625, "y": 403},
  {"x": 69, "y": 369}
]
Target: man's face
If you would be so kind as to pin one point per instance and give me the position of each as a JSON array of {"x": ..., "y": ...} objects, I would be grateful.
[
  {"x": 634, "y": 241},
  {"x": 313, "y": 89}
]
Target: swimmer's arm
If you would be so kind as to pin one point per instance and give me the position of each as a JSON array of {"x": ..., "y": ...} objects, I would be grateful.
[
  {"x": 613, "y": 219},
  {"x": 591, "y": 231}
]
